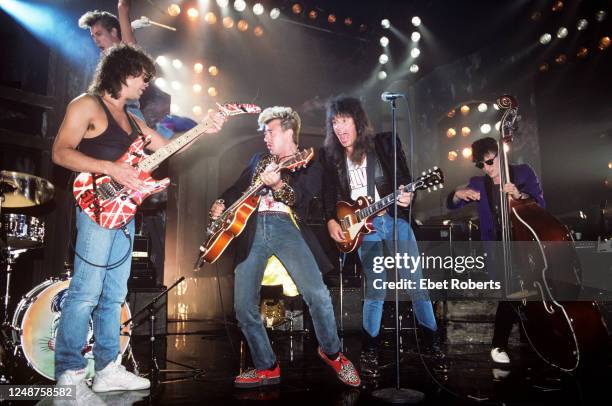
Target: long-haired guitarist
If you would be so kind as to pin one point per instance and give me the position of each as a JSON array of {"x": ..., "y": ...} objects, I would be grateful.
[
  {"x": 359, "y": 163},
  {"x": 278, "y": 228},
  {"x": 95, "y": 132}
]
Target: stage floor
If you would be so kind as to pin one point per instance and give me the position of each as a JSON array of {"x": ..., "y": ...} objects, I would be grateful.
[{"x": 472, "y": 377}]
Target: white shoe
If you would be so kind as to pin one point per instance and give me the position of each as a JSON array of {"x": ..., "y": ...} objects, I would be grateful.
[
  {"x": 115, "y": 377},
  {"x": 500, "y": 356},
  {"x": 84, "y": 395}
]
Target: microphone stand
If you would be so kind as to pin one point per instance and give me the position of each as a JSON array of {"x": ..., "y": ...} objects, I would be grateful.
[{"x": 396, "y": 395}]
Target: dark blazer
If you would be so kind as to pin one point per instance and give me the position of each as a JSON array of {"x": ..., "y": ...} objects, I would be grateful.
[
  {"x": 306, "y": 183},
  {"x": 336, "y": 186},
  {"x": 525, "y": 180}
]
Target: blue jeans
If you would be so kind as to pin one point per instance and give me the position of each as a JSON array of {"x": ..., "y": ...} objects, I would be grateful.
[
  {"x": 373, "y": 246},
  {"x": 277, "y": 235},
  {"x": 95, "y": 293}
]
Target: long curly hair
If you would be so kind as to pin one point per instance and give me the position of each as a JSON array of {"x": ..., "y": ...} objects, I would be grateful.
[
  {"x": 117, "y": 63},
  {"x": 348, "y": 107}
]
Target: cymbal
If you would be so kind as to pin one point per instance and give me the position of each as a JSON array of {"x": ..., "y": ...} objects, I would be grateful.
[{"x": 24, "y": 190}]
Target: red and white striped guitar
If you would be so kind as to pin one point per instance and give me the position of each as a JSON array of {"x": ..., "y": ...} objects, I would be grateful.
[{"x": 112, "y": 205}]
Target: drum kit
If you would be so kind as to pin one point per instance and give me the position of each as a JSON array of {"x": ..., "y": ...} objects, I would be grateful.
[{"x": 28, "y": 337}]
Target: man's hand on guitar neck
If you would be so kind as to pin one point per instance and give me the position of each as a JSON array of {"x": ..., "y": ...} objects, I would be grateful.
[
  {"x": 335, "y": 231},
  {"x": 404, "y": 198},
  {"x": 124, "y": 173}
]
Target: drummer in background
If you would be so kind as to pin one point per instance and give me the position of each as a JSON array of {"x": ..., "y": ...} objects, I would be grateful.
[
  {"x": 95, "y": 132},
  {"x": 483, "y": 190}
]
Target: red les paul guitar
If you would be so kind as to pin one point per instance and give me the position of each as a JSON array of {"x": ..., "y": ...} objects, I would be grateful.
[
  {"x": 112, "y": 205},
  {"x": 232, "y": 221},
  {"x": 355, "y": 219}
]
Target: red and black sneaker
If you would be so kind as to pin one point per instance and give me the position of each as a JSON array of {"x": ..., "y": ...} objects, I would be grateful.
[
  {"x": 345, "y": 370},
  {"x": 254, "y": 378}
]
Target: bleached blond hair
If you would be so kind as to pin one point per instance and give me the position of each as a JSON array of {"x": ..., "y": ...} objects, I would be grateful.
[{"x": 289, "y": 119}]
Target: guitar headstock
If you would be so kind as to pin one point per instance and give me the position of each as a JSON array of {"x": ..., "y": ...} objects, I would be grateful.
[
  {"x": 431, "y": 179},
  {"x": 297, "y": 160},
  {"x": 234, "y": 109}
]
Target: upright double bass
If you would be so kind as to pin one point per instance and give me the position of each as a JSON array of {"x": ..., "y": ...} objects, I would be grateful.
[{"x": 543, "y": 273}]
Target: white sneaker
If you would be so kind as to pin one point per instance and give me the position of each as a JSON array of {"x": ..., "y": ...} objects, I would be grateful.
[
  {"x": 115, "y": 377},
  {"x": 498, "y": 355},
  {"x": 84, "y": 395}
]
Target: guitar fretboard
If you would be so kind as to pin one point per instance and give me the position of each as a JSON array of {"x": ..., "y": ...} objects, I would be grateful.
[{"x": 382, "y": 203}]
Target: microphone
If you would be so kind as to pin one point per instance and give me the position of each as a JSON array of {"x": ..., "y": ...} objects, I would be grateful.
[{"x": 390, "y": 96}]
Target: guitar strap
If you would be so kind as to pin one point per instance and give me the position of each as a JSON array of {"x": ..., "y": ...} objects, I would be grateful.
[{"x": 371, "y": 172}]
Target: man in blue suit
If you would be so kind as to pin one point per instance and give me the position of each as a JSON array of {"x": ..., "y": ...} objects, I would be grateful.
[{"x": 484, "y": 191}]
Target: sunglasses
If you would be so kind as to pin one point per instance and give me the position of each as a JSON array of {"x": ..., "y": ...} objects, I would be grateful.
[
  {"x": 488, "y": 162},
  {"x": 148, "y": 77}
]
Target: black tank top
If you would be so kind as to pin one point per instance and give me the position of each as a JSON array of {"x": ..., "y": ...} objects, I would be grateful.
[{"x": 113, "y": 142}]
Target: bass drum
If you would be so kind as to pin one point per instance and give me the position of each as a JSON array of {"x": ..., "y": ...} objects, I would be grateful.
[{"x": 35, "y": 324}]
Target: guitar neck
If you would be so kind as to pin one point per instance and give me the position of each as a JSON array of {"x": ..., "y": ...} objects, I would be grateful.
[
  {"x": 382, "y": 204},
  {"x": 154, "y": 160}
]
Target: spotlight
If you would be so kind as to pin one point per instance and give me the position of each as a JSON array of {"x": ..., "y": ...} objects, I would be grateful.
[
  {"x": 348, "y": 21},
  {"x": 451, "y": 132},
  {"x": 160, "y": 82},
  {"x": 222, "y": 3},
  {"x": 506, "y": 147},
  {"x": 545, "y": 38},
  {"x": 213, "y": 70},
  {"x": 212, "y": 92},
  {"x": 465, "y": 131},
  {"x": 228, "y": 22},
  {"x": 560, "y": 59},
  {"x": 197, "y": 88},
  {"x": 495, "y": 106},
  {"x": 482, "y": 107},
  {"x": 382, "y": 75},
  {"x": 416, "y": 21},
  {"x": 198, "y": 67},
  {"x": 383, "y": 59},
  {"x": 485, "y": 128},
  {"x": 415, "y": 52},
  {"x": 174, "y": 108},
  {"x": 610, "y": 165},
  {"x": 582, "y": 52},
  {"x": 176, "y": 85},
  {"x": 557, "y": 6},
  {"x": 331, "y": 18},
  {"x": 296, "y": 8},
  {"x": 197, "y": 110},
  {"x": 240, "y": 5},
  {"x": 466, "y": 152},
  {"x": 536, "y": 16},
  {"x": 414, "y": 68},
  {"x": 604, "y": 43},
  {"x": 161, "y": 60},
  {"x": 385, "y": 23},
  {"x": 258, "y": 9},
  {"x": 258, "y": 31},
  {"x": 452, "y": 155},
  {"x": 465, "y": 110},
  {"x": 600, "y": 15},
  {"x": 363, "y": 27},
  {"x": 384, "y": 41},
  {"x": 312, "y": 14},
  {"x": 243, "y": 25},
  {"x": 177, "y": 63},
  {"x": 193, "y": 13},
  {"x": 210, "y": 18},
  {"x": 415, "y": 36},
  {"x": 174, "y": 10},
  {"x": 562, "y": 32},
  {"x": 544, "y": 67},
  {"x": 582, "y": 24},
  {"x": 497, "y": 125},
  {"x": 274, "y": 13}
]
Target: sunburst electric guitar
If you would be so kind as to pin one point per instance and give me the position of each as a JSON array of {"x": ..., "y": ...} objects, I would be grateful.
[
  {"x": 355, "y": 219},
  {"x": 232, "y": 221},
  {"x": 112, "y": 205}
]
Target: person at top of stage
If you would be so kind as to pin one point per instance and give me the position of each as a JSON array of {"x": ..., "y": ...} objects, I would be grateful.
[
  {"x": 108, "y": 30},
  {"x": 278, "y": 228},
  {"x": 482, "y": 190},
  {"x": 95, "y": 132},
  {"x": 359, "y": 163}
]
